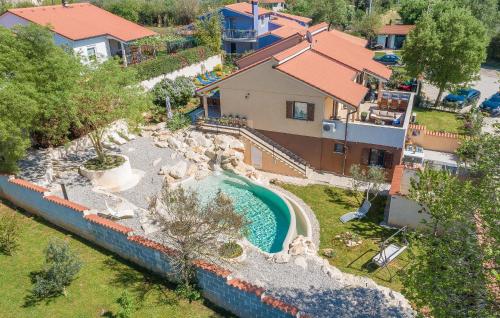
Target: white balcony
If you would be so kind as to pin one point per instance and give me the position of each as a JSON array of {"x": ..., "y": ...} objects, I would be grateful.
[{"x": 235, "y": 35}]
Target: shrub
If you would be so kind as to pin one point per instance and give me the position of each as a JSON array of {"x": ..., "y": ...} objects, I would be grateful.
[
  {"x": 179, "y": 90},
  {"x": 230, "y": 250},
  {"x": 127, "y": 306},
  {"x": 108, "y": 162},
  {"x": 9, "y": 233},
  {"x": 494, "y": 48},
  {"x": 169, "y": 63},
  {"x": 61, "y": 267},
  {"x": 178, "y": 121}
]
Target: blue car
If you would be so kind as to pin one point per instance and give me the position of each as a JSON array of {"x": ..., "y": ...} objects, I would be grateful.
[
  {"x": 463, "y": 97},
  {"x": 388, "y": 59},
  {"x": 492, "y": 104}
]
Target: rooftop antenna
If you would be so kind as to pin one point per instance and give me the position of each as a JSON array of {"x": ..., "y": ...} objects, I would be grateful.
[{"x": 309, "y": 37}]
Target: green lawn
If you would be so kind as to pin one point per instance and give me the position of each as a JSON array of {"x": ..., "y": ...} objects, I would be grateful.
[
  {"x": 100, "y": 282},
  {"x": 439, "y": 120},
  {"x": 328, "y": 204}
]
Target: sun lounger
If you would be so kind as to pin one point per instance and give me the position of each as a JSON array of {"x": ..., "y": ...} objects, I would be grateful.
[
  {"x": 388, "y": 254},
  {"x": 202, "y": 81},
  {"x": 360, "y": 213}
]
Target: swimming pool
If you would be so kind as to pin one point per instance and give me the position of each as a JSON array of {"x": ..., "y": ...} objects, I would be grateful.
[{"x": 269, "y": 215}]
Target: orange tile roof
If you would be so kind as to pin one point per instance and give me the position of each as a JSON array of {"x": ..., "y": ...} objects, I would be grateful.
[
  {"x": 310, "y": 67},
  {"x": 83, "y": 20},
  {"x": 28, "y": 185},
  {"x": 271, "y": 1},
  {"x": 296, "y": 49},
  {"x": 348, "y": 53},
  {"x": 245, "y": 8},
  {"x": 294, "y": 17},
  {"x": 397, "y": 178},
  {"x": 288, "y": 27},
  {"x": 396, "y": 29},
  {"x": 354, "y": 39},
  {"x": 66, "y": 203}
]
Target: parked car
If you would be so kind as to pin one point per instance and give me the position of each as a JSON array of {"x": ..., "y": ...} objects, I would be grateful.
[
  {"x": 463, "y": 97},
  {"x": 388, "y": 59},
  {"x": 492, "y": 104},
  {"x": 408, "y": 86}
]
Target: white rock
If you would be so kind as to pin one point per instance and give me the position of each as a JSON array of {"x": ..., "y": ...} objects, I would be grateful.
[
  {"x": 237, "y": 145},
  {"x": 210, "y": 153},
  {"x": 117, "y": 139},
  {"x": 156, "y": 162},
  {"x": 201, "y": 140},
  {"x": 223, "y": 141},
  {"x": 173, "y": 156},
  {"x": 301, "y": 262},
  {"x": 179, "y": 170},
  {"x": 281, "y": 258},
  {"x": 175, "y": 143},
  {"x": 161, "y": 144},
  {"x": 192, "y": 170}
]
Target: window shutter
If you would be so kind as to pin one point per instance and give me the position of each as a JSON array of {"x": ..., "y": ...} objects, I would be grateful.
[
  {"x": 310, "y": 112},
  {"x": 289, "y": 109},
  {"x": 365, "y": 156},
  {"x": 388, "y": 160}
]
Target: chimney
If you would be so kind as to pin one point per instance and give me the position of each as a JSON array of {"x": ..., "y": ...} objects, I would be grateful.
[
  {"x": 255, "y": 14},
  {"x": 64, "y": 3}
]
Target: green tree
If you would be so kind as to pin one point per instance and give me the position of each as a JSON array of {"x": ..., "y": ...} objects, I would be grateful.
[
  {"x": 411, "y": 10},
  {"x": 372, "y": 179},
  {"x": 60, "y": 269},
  {"x": 9, "y": 233},
  {"x": 127, "y": 9},
  {"x": 448, "y": 273},
  {"x": 368, "y": 24},
  {"x": 440, "y": 43},
  {"x": 127, "y": 306},
  {"x": 209, "y": 30},
  {"x": 107, "y": 92},
  {"x": 334, "y": 12}
]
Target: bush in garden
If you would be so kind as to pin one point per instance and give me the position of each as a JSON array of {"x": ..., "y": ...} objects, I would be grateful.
[
  {"x": 9, "y": 233},
  {"x": 127, "y": 306},
  {"x": 179, "y": 90},
  {"x": 61, "y": 267},
  {"x": 178, "y": 121}
]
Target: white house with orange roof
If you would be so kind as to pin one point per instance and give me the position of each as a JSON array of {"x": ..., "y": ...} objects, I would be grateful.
[
  {"x": 90, "y": 31},
  {"x": 314, "y": 96},
  {"x": 249, "y": 27}
]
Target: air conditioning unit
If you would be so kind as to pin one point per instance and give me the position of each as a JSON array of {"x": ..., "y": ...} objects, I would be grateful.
[{"x": 329, "y": 127}]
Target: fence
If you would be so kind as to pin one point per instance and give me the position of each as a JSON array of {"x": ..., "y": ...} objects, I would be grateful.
[{"x": 216, "y": 283}]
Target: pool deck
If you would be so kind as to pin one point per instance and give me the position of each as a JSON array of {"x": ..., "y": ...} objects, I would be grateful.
[{"x": 308, "y": 282}]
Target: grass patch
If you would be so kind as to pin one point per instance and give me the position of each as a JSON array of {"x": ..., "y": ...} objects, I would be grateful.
[
  {"x": 230, "y": 250},
  {"x": 439, "y": 120},
  {"x": 101, "y": 281},
  {"x": 109, "y": 162},
  {"x": 328, "y": 204}
]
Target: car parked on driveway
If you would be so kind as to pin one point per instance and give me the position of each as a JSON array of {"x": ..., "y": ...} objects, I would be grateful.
[
  {"x": 463, "y": 97},
  {"x": 389, "y": 59},
  {"x": 492, "y": 104}
]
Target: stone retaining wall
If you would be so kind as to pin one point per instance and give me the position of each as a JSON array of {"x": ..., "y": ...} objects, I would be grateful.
[{"x": 236, "y": 296}]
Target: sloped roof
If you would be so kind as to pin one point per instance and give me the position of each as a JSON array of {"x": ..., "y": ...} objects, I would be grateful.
[
  {"x": 345, "y": 51},
  {"x": 83, "y": 20},
  {"x": 288, "y": 27},
  {"x": 325, "y": 75},
  {"x": 294, "y": 17},
  {"x": 245, "y": 8},
  {"x": 351, "y": 38},
  {"x": 396, "y": 29}
]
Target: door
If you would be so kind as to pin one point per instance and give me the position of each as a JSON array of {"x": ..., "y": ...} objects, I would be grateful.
[
  {"x": 256, "y": 154},
  {"x": 233, "y": 47}
]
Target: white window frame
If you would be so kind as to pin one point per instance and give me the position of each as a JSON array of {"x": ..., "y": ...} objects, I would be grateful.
[{"x": 305, "y": 114}]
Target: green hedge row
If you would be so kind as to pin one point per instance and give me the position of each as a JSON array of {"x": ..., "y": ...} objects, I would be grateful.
[{"x": 172, "y": 62}]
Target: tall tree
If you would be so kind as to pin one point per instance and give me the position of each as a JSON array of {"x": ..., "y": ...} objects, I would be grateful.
[
  {"x": 447, "y": 47},
  {"x": 107, "y": 93},
  {"x": 334, "y": 12},
  {"x": 412, "y": 10},
  {"x": 208, "y": 31}
]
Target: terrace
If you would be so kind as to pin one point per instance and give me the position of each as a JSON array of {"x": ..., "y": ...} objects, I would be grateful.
[{"x": 383, "y": 121}]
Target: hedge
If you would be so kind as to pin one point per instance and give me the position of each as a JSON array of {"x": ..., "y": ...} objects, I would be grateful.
[{"x": 172, "y": 62}]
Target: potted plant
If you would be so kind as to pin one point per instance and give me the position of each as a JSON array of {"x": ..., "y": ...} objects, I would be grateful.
[{"x": 364, "y": 116}]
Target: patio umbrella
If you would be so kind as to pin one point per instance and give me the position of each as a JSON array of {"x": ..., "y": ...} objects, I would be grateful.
[{"x": 168, "y": 106}]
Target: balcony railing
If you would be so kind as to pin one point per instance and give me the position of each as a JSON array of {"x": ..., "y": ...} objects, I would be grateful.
[{"x": 239, "y": 35}]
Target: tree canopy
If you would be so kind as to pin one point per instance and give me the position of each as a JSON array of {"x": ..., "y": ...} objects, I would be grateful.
[{"x": 447, "y": 47}]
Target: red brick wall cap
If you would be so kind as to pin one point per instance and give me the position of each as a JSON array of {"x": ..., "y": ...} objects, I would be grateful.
[{"x": 28, "y": 185}]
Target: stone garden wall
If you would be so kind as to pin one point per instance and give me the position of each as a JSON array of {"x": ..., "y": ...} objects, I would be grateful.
[{"x": 216, "y": 283}]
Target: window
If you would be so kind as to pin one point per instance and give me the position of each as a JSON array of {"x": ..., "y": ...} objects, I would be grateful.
[
  {"x": 91, "y": 53},
  {"x": 300, "y": 110},
  {"x": 338, "y": 148},
  {"x": 376, "y": 157}
]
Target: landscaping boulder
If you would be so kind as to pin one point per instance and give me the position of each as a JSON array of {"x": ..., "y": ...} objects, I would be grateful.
[
  {"x": 237, "y": 145},
  {"x": 223, "y": 141},
  {"x": 281, "y": 258},
  {"x": 302, "y": 246},
  {"x": 174, "y": 143},
  {"x": 179, "y": 170}
]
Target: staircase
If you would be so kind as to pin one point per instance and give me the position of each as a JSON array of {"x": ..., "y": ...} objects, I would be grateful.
[{"x": 265, "y": 143}]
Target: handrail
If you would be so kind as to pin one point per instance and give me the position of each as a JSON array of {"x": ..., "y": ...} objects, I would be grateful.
[
  {"x": 273, "y": 147},
  {"x": 239, "y": 34}
]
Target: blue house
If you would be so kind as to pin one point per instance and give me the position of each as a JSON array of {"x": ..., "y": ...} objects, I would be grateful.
[{"x": 248, "y": 27}]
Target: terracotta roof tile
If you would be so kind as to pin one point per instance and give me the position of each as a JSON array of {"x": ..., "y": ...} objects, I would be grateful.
[
  {"x": 351, "y": 38},
  {"x": 278, "y": 304},
  {"x": 215, "y": 269},
  {"x": 28, "y": 185},
  {"x": 66, "y": 203},
  {"x": 396, "y": 29},
  {"x": 83, "y": 20},
  {"x": 245, "y": 8},
  {"x": 309, "y": 68},
  {"x": 294, "y": 17},
  {"x": 108, "y": 224},
  {"x": 152, "y": 244},
  {"x": 247, "y": 287},
  {"x": 397, "y": 177}
]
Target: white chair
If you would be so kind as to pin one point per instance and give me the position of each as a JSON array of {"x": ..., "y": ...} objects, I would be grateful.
[{"x": 360, "y": 213}]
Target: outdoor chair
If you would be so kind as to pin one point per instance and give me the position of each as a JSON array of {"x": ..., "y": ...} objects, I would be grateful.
[
  {"x": 403, "y": 103},
  {"x": 394, "y": 102},
  {"x": 202, "y": 81},
  {"x": 360, "y": 213}
]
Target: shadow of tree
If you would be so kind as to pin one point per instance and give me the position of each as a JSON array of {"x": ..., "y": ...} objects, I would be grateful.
[{"x": 340, "y": 197}]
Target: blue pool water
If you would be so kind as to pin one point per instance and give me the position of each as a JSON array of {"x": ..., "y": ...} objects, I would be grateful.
[{"x": 267, "y": 213}]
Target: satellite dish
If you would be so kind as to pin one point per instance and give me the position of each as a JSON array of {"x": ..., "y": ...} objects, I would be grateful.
[{"x": 309, "y": 37}]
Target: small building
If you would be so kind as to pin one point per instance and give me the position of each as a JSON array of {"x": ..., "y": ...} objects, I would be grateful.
[
  {"x": 275, "y": 5},
  {"x": 248, "y": 27},
  {"x": 393, "y": 36},
  {"x": 90, "y": 31}
]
